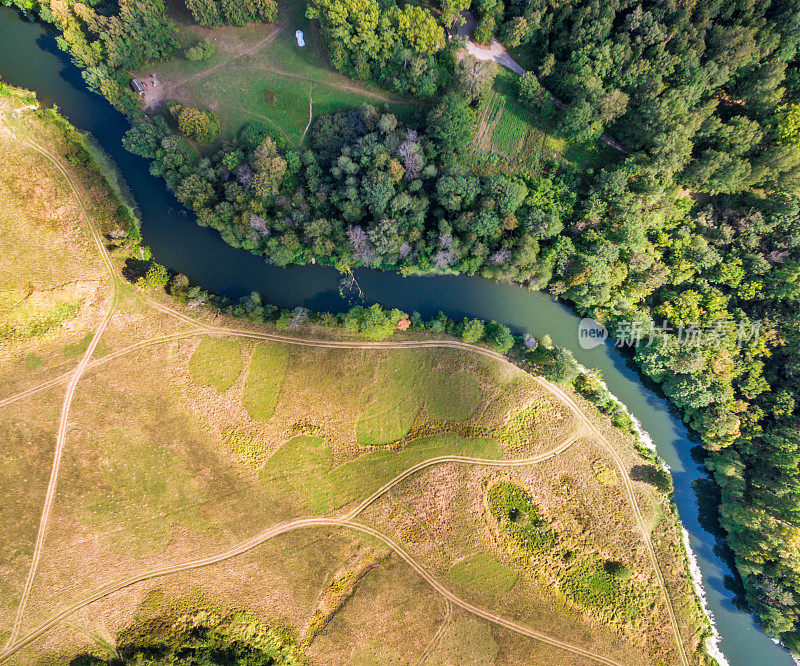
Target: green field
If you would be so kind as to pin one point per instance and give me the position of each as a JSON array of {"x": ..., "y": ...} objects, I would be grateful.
[
  {"x": 217, "y": 362},
  {"x": 258, "y": 58},
  {"x": 302, "y": 472},
  {"x": 528, "y": 137},
  {"x": 264, "y": 379},
  {"x": 407, "y": 382},
  {"x": 483, "y": 572}
]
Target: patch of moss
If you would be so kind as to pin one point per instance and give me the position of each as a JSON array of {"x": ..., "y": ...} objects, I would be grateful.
[
  {"x": 33, "y": 362},
  {"x": 22, "y": 318}
]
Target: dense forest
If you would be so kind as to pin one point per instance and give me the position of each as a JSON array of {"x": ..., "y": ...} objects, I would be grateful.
[{"x": 688, "y": 240}]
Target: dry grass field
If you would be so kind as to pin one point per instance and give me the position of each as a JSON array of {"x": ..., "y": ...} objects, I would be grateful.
[{"x": 349, "y": 506}]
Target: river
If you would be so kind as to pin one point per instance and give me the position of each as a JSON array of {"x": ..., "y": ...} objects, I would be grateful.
[{"x": 30, "y": 58}]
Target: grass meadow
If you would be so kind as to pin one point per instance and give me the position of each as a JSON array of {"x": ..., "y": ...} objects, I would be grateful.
[
  {"x": 528, "y": 138},
  {"x": 256, "y": 60}
]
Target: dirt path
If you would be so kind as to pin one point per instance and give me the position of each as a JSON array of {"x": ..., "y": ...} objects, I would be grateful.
[
  {"x": 343, "y": 521},
  {"x": 72, "y": 385},
  {"x": 97, "y": 362},
  {"x": 437, "y": 636}
]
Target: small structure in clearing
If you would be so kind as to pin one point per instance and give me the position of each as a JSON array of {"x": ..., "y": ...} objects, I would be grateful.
[
  {"x": 299, "y": 36},
  {"x": 138, "y": 86}
]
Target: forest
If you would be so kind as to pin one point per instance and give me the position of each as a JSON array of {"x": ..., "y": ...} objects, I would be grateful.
[{"x": 695, "y": 224}]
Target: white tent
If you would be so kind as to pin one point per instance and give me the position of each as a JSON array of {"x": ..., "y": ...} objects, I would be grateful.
[{"x": 299, "y": 35}]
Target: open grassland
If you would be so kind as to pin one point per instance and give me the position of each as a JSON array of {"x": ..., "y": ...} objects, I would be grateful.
[
  {"x": 216, "y": 362},
  {"x": 264, "y": 379},
  {"x": 46, "y": 306},
  {"x": 150, "y": 479},
  {"x": 27, "y": 431},
  {"x": 255, "y": 61},
  {"x": 534, "y": 541}
]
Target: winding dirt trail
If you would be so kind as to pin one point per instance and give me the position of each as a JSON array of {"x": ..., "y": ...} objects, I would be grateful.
[
  {"x": 347, "y": 522},
  {"x": 72, "y": 385}
]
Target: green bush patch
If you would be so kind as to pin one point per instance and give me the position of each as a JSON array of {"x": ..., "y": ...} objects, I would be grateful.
[
  {"x": 216, "y": 362},
  {"x": 203, "y": 637},
  {"x": 263, "y": 384},
  {"x": 483, "y": 573},
  {"x": 604, "y": 474},
  {"x": 516, "y": 513},
  {"x": 601, "y": 586}
]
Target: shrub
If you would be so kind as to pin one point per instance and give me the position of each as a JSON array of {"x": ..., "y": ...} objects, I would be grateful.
[
  {"x": 617, "y": 569},
  {"x": 199, "y": 125},
  {"x": 374, "y": 322},
  {"x": 156, "y": 276},
  {"x": 559, "y": 365},
  {"x": 471, "y": 330},
  {"x": 252, "y": 135},
  {"x": 201, "y": 51},
  {"x": 499, "y": 337}
]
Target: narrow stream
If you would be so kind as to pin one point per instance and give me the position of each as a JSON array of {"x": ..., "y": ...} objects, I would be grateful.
[{"x": 29, "y": 58}]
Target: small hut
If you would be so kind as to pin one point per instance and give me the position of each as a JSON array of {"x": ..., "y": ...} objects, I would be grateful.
[{"x": 138, "y": 86}]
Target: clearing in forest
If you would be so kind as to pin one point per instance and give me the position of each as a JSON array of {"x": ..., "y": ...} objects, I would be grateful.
[
  {"x": 529, "y": 138},
  {"x": 259, "y": 74}
]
